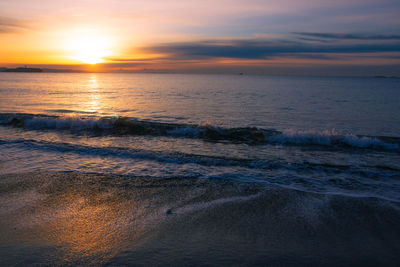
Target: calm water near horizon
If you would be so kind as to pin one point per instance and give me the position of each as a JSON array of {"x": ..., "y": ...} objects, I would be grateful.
[
  {"x": 366, "y": 106},
  {"x": 332, "y": 143}
]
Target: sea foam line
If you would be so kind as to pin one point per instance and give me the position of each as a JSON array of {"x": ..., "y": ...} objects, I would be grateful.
[{"x": 181, "y": 158}]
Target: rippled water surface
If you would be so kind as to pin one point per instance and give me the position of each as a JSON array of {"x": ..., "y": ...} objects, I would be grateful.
[
  {"x": 367, "y": 106},
  {"x": 329, "y": 135}
]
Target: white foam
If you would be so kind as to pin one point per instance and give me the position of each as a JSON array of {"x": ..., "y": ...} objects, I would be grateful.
[
  {"x": 329, "y": 138},
  {"x": 213, "y": 203},
  {"x": 367, "y": 142},
  {"x": 186, "y": 131},
  {"x": 304, "y": 137}
]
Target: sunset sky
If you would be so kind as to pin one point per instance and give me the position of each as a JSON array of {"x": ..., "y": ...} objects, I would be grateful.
[{"x": 305, "y": 37}]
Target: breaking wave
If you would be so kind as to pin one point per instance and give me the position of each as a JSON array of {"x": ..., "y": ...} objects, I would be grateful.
[{"x": 246, "y": 135}]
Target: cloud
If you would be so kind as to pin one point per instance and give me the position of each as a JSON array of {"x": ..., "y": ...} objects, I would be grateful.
[
  {"x": 264, "y": 49},
  {"x": 349, "y": 36},
  {"x": 8, "y": 25}
]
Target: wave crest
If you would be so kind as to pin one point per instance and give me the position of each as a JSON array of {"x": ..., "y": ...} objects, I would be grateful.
[
  {"x": 207, "y": 132},
  {"x": 330, "y": 138}
]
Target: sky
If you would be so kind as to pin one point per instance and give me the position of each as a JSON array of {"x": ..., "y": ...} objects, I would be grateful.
[{"x": 278, "y": 37}]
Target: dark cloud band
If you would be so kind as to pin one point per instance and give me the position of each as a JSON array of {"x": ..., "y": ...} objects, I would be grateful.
[
  {"x": 262, "y": 49},
  {"x": 349, "y": 36}
]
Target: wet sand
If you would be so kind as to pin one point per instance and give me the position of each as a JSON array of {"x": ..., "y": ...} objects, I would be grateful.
[{"x": 71, "y": 218}]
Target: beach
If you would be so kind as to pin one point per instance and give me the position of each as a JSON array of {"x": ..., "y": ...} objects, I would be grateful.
[{"x": 71, "y": 218}]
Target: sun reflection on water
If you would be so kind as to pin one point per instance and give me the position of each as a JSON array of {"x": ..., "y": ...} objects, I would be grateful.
[
  {"x": 92, "y": 103},
  {"x": 93, "y": 83}
]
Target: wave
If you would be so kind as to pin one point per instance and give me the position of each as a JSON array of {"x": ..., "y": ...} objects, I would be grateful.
[
  {"x": 245, "y": 135},
  {"x": 332, "y": 138},
  {"x": 181, "y": 158}
]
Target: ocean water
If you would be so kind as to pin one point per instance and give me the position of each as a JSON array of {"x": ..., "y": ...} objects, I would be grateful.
[
  {"x": 331, "y": 135},
  {"x": 331, "y": 145}
]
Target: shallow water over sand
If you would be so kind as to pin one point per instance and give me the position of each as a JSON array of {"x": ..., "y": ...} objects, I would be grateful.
[{"x": 74, "y": 219}]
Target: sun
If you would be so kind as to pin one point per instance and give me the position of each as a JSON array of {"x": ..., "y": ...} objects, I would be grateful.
[{"x": 88, "y": 47}]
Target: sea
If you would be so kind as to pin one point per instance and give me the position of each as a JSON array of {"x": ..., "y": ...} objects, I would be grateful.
[{"x": 242, "y": 170}]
